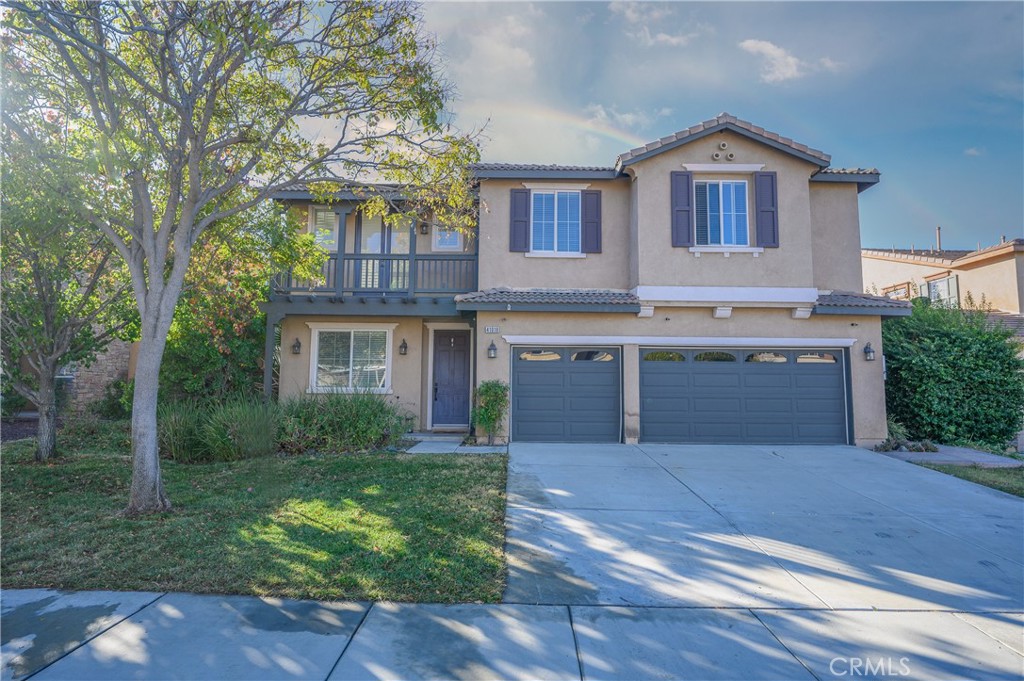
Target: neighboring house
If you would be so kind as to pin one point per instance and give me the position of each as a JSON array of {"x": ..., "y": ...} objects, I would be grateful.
[
  {"x": 705, "y": 288},
  {"x": 994, "y": 275}
]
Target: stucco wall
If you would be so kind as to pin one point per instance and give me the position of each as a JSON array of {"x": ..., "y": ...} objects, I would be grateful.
[
  {"x": 500, "y": 267},
  {"x": 662, "y": 265},
  {"x": 835, "y": 242},
  {"x": 999, "y": 280},
  {"x": 867, "y": 386},
  {"x": 407, "y": 371}
]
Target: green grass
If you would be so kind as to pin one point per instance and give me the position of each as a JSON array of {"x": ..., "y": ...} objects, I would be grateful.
[
  {"x": 1010, "y": 480},
  {"x": 368, "y": 526}
]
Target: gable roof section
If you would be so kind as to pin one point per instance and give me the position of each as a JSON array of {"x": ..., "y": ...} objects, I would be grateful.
[{"x": 724, "y": 121}]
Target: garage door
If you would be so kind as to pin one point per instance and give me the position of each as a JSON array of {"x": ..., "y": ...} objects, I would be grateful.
[
  {"x": 754, "y": 395},
  {"x": 566, "y": 394}
]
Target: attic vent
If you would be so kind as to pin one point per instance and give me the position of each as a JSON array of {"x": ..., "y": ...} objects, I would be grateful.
[
  {"x": 717, "y": 155},
  {"x": 723, "y": 145}
]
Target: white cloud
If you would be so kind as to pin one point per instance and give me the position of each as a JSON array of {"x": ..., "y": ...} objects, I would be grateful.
[
  {"x": 641, "y": 16},
  {"x": 633, "y": 120},
  {"x": 779, "y": 65},
  {"x": 974, "y": 151}
]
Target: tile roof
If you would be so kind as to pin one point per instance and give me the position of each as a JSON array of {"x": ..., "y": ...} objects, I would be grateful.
[
  {"x": 849, "y": 171},
  {"x": 548, "y": 296},
  {"x": 1009, "y": 320},
  {"x": 827, "y": 299},
  {"x": 728, "y": 120},
  {"x": 538, "y": 166},
  {"x": 945, "y": 256}
]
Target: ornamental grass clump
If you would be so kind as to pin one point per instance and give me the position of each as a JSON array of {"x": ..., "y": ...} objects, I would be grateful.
[
  {"x": 341, "y": 423},
  {"x": 241, "y": 428}
]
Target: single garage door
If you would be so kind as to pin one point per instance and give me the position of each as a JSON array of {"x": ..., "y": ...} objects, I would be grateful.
[
  {"x": 755, "y": 395},
  {"x": 566, "y": 394}
]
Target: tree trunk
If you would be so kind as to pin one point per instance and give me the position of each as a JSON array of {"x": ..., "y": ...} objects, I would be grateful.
[
  {"x": 46, "y": 429},
  {"x": 147, "y": 492}
]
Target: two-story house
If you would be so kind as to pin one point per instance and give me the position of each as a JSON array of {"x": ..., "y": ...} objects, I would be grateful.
[{"x": 702, "y": 289}]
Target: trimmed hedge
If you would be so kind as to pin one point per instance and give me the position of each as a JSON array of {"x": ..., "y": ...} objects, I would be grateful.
[
  {"x": 341, "y": 423},
  {"x": 952, "y": 377}
]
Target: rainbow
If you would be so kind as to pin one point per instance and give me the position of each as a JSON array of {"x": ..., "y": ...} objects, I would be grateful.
[{"x": 573, "y": 120}]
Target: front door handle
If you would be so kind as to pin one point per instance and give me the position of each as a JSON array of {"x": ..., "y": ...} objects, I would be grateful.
[{"x": 435, "y": 392}]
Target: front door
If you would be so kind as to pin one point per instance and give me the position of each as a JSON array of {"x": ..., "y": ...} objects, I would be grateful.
[{"x": 451, "y": 378}]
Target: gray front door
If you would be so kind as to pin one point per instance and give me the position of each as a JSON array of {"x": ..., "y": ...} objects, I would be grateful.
[
  {"x": 752, "y": 395},
  {"x": 568, "y": 394},
  {"x": 451, "y": 378}
]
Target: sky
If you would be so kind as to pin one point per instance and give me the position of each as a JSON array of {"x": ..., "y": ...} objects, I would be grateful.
[{"x": 931, "y": 94}]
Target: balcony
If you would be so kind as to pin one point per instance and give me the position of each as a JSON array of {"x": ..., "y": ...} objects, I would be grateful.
[{"x": 374, "y": 275}]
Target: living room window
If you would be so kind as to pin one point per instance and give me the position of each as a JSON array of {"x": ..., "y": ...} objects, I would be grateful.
[
  {"x": 721, "y": 213},
  {"x": 350, "y": 360},
  {"x": 555, "y": 222}
]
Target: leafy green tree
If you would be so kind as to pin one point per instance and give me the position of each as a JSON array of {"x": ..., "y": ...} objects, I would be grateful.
[
  {"x": 185, "y": 114},
  {"x": 953, "y": 377},
  {"x": 64, "y": 294}
]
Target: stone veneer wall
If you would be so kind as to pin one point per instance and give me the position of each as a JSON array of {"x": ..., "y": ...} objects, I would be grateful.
[{"x": 90, "y": 381}]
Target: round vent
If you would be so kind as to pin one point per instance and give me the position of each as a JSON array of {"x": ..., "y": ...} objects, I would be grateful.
[
  {"x": 717, "y": 156},
  {"x": 723, "y": 145}
]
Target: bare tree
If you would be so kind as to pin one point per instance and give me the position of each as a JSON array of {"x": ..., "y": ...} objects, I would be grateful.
[{"x": 187, "y": 113}]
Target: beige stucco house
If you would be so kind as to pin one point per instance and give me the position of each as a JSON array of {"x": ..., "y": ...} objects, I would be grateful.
[
  {"x": 994, "y": 275},
  {"x": 704, "y": 288}
]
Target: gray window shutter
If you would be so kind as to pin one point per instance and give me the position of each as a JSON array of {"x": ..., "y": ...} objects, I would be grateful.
[
  {"x": 766, "y": 199},
  {"x": 682, "y": 209},
  {"x": 519, "y": 227},
  {"x": 590, "y": 223}
]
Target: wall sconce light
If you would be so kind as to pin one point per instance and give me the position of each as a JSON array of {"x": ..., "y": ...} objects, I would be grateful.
[
  {"x": 424, "y": 228},
  {"x": 403, "y": 349},
  {"x": 492, "y": 351},
  {"x": 297, "y": 347},
  {"x": 869, "y": 353}
]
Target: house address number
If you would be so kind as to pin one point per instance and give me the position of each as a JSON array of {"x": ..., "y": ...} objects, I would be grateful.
[{"x": 492, "y": 329}]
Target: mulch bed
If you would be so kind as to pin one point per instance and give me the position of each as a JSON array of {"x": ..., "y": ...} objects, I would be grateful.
[{"x": 17, "y": 430}]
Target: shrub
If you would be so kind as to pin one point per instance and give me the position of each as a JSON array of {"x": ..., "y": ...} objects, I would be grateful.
[
  {"x": 89, "y": 432},
  {"x": 116, "y": 402},
  {"x": 491, "y": 404},
  {"x": 952, "y": 377},
  {"x": 340, "y": 423},
  {"x": 180, "y": 431},
  {"x": 11, "y": 402},
  {"x": 241, "y": 428}
]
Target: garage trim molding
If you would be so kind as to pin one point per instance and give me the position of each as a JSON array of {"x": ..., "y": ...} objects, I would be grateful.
[{"x": 681, "y": 341}]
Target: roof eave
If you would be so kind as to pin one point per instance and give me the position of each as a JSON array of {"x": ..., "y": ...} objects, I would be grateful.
[
  {"x": 610, "y": 174},
  {"x": 693, "y": 137},
  {"x": 548, "y": 307},
  {"x": 863, "y": 181},
  {"x": 864, "y": 311}
]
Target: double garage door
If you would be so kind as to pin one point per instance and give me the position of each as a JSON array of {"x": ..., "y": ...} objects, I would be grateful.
[{"x": 711, "y": 395}]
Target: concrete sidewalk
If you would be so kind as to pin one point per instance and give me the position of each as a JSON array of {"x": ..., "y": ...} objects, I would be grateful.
[{"x": 110, "y": 635}]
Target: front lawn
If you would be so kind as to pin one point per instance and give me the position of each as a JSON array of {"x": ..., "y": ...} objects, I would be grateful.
[
  {"x": 367, "y": 526},
  {"x": 1009, "y": 480}
]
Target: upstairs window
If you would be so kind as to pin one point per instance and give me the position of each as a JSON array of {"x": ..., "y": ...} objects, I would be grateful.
[
  {"x": 944, "y": 290},
  {"x": 721, "y": 213},
  {"x": 555, "y": 222},
  {"x": 447, "y": 239},
  {"x": 324, "y": 224}
]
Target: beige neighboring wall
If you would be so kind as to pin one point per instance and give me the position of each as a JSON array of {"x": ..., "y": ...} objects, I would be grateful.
[
  {"x": 499, "y": 267},
  {"x": 999, "y": 279},
  {"x": 662, "y": 265},
  {"x": 406, "y": 370},
  {"x": 835, "y": 241},
  {"x": 867, "y": 390}
]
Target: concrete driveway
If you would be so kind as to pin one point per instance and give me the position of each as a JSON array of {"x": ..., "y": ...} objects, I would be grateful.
[{"x": 834, "y": 555}]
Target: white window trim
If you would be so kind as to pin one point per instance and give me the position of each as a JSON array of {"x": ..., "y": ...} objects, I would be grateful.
[
  {"x": 755, "y": 250},
  {"x": 556, "y": 186},
  {"x": 313, "y": 208},
  {"x": 314, "y": 351},
  {"x": 555, "y": 254},
  {"x": 736, "y": 248},
  {"x": 437, "y": 231},
  {"x": 549, "y": 189}
]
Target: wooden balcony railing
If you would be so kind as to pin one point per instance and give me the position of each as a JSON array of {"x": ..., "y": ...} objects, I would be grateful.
[{"x": 375, "y": 274}]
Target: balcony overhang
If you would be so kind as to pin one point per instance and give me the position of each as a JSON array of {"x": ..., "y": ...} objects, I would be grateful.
[{"x": 279, "y": 307}]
